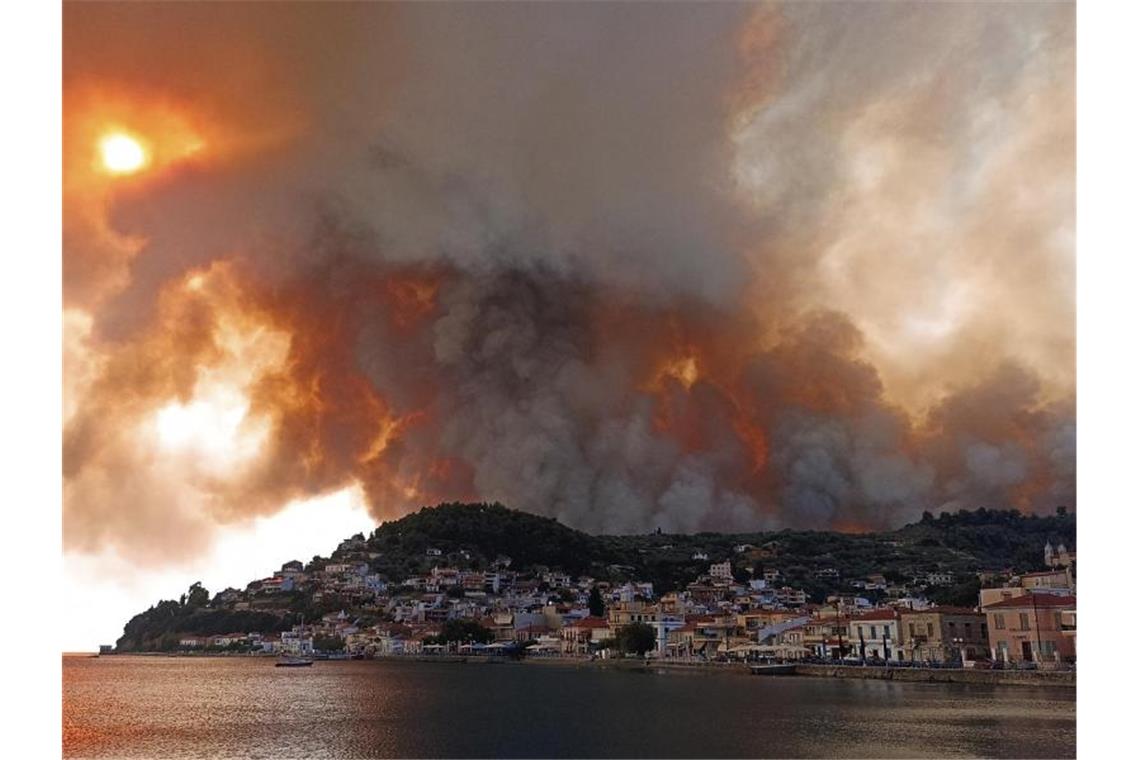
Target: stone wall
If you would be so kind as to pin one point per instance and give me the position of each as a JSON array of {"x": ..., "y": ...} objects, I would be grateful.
[{"x": 935, "y": 675}]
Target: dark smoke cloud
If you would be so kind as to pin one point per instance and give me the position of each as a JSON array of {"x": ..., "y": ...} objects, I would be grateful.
[{"x": 696, "y": 267}]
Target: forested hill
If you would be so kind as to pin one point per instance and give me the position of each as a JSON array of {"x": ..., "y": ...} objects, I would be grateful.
[
  {"x": 964, "y": 541},
  {"x": 484, "y": 536}
]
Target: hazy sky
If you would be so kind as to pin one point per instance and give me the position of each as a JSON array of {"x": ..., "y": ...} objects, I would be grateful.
[{"x": 704, "y": 266}]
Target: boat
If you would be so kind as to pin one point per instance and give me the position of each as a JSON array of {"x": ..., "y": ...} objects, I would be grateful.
[{"x": 293, "y": 662}]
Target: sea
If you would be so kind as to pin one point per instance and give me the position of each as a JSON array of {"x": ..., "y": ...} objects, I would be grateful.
[{"x": 223, "y": 707}]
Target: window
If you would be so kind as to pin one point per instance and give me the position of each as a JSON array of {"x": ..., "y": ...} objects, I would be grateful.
[
  {"x": 912, "y": 630},
  {"x": 1056, "y": 621},
  {"x": 930, "y": 629},
  {"x": 1024, "y": 619},
  {"x": 873, "y": 632},
  {"x": 1048, "y": 647},
  {"x": 969, "y": 631}
]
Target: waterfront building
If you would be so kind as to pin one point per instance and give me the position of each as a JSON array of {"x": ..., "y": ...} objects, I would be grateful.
[
  {"x": 1033, "y": 627},
  {"x": 875, "y": 636},
  {"x": 583, "y": 636},
  {"x": 943, "y": 634}
]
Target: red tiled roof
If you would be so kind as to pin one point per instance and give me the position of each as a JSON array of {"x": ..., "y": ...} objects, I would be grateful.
[
  {"x": 1029, "y": 601},
  {"x": 590, "y": 622}
]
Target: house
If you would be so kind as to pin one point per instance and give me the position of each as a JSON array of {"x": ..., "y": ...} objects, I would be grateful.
[
  {"x": 703, "y": 635},
  {"x": 626, "y": 612},
  {"x": 988, "y": 596},
  {"x": 939, "y": 579},
  {"x": 771, "y": 575},
  {"x": 828, "y": 636},
  {"x": 1059, "y": 556},
  {"x": 1033, "y": 627},
  {"x": 294, "y": 642},
  {"x": 583, "y": 636},
  {"x": 788, "y": 643},
  {"x": 355, "y": 543},
  {"x": 1051, "y": 579},
  {"x": 944, "y": 634},
  {"x": 791, "y": 597},
  {"x": 875, "y": 635},
  {"x": 721, "y": 570},
  {"x": 876, "y": 581},
  {"x": 556, "y": 580},
  {"x": 701, "y": 556}
]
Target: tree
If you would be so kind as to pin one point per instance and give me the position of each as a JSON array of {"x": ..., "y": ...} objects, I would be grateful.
[
  {"x": 637, "y": 638},
  {"x": 328, "y": 643},
  {"x": 894, "y": 576},
  {"x": 197, "y": 596},
  {"x": 463, "y": 631},
  {"x": 595, "y": 603},
  {"x": 963, "y": 594}
]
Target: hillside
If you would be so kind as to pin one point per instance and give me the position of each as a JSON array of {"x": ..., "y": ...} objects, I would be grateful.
[{"x": 485, "y": 536}]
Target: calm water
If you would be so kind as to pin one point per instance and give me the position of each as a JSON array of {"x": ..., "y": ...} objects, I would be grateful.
[{"x": 179, "y": 708}]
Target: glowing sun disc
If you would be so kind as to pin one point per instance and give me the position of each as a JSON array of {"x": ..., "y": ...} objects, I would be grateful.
[{"x": 122, "y": 154}]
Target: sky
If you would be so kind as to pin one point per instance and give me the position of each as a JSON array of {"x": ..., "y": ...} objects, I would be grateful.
[{"x": 696, "y": 267}]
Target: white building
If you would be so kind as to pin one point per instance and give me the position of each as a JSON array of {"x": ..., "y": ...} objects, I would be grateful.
[{"x": 721, "y": 570}]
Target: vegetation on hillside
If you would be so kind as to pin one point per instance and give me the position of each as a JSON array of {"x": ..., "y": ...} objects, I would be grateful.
[{"x": 484, "y": 536}]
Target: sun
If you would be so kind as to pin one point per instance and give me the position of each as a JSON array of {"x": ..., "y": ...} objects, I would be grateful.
[{"x": 122, "y": 154}]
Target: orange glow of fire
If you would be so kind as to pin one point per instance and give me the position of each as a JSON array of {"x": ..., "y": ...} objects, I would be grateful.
[
  {"x": 214, "y": 423},
  {"x": 412, "y": 298}
]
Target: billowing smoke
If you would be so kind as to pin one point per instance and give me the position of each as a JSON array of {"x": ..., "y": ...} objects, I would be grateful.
[{"x": 696, "y": 267}]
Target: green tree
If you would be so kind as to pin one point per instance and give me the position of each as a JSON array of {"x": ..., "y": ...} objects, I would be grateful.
[
  {"x": 197, "y": 596},
  {"x": 637, "y": 638},
  {"x": 595, "y": 603},
  {"x": 328, "y": 643},
  {"x": 464, "y": 632},
  {"x": 962, "y": 594}
]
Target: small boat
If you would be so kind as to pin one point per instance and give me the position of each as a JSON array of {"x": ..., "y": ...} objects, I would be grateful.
[{"x": 293, "y": 662}]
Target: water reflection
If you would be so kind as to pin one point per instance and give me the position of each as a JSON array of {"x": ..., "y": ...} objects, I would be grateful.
[{"x": 196, "y": 707}]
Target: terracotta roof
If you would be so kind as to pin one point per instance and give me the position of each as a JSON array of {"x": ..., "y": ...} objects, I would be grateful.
[
  {"x": 590, "y": 622},
  {"x": 1029, "y": 601}
]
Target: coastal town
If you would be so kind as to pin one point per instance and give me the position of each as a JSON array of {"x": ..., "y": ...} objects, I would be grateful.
[{"x": 1019, "y": 621}]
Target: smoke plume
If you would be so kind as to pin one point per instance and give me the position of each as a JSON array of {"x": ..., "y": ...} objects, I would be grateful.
[{"x": 688, "y": 266}]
